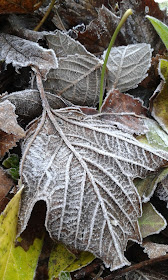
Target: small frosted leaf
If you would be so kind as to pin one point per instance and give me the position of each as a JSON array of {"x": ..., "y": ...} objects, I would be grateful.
[
  {"x": 77, "y": 163},
  {"x": 154, "y": 250},
  {"x": 64, "y": 45},
  {"x": 162, "y": 190},
  {"x": 23, "y": 53},
  {"x": 28, "y": 103},
  {"x": 77, "y": 79},
  {"x": 127, "y": 65},
  {"x": 8, "y": 122}
]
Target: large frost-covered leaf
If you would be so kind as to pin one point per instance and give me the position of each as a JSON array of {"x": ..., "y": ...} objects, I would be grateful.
[
  {"x": 128, "y": 65},
  {"x": 23, "y": 53},
  {"x": 83, "y": 167},
  {"x": 77, "y": 79}
]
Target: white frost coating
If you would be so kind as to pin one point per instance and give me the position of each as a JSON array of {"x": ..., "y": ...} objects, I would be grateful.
[
  {"x": 84, "y": 169},
  {"x": 23, "y": 53},
  {"x": 154, "y": 250},
  {"x": 128, "y": 65}
]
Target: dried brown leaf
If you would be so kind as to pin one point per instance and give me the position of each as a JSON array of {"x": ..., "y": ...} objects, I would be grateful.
[
  {"x": 99, "y": 31},
  {"x": 5, "y": 184},
  {"x": 7, "y": 142},
  {"x": 17, "y": 6},
  {"x": 125, "y": 111},
  {"x": 81, "y": 12}
]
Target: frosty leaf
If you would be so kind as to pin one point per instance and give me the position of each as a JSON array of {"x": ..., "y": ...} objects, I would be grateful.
[
  {"x": 78, "y": 165},
  {"x": 22, "y": 53},
  {"x": 162, "y": 190},
  {"x": 77, "y": 79},
  {"x": 128, "y": 65},
  {"x": 8, "y": 122},
  {"x": 152, "y": 221},
  {"x": 64, "y": 45},
  {"x": 145, "y": 275},
  {"x": 160, "y": 103},
  {"x": 154, "y": 250},
  {"x": 156, "y": 136},
  {"x": 28, "y": 103},
  {"x": 10, "y": 131}
]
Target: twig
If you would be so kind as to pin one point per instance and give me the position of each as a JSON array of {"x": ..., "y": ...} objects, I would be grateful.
[
  {"x": 87, "y": 270},
  {"x": 45, "y": 16},
  {"x": 136, "y": 266}
]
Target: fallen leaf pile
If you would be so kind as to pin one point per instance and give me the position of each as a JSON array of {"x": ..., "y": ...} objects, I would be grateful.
[{"x": 95, "y": 170}]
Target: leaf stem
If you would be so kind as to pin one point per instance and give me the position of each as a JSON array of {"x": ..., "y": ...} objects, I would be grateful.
[
  {"x": 122, "y": 21},
  {"x": 45, "y": 16}
]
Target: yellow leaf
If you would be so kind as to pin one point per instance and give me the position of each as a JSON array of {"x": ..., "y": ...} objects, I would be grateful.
[
  {"x": 15, "y": 263},
  {"x": 61, "y": 259}
]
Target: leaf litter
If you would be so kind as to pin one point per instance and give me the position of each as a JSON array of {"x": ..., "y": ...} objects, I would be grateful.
[{"x": 69, "y": 160}]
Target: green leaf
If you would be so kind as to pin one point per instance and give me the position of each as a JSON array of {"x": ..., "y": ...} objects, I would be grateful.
[
  {"x": 12, "y": 165},
  {"x": 160, "y": 103},
  {"x": 161, "y": 29},
  {"x": 65, "y": 276},
  {"x": 15, "y": 263},
  {"x": 61, "y": 259},
  {"x": 147, "y": 186},
  {"x": 11, "y": 161},
  {"x": 151, "y": 222},
  {"x": 155, "y": 137}
]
